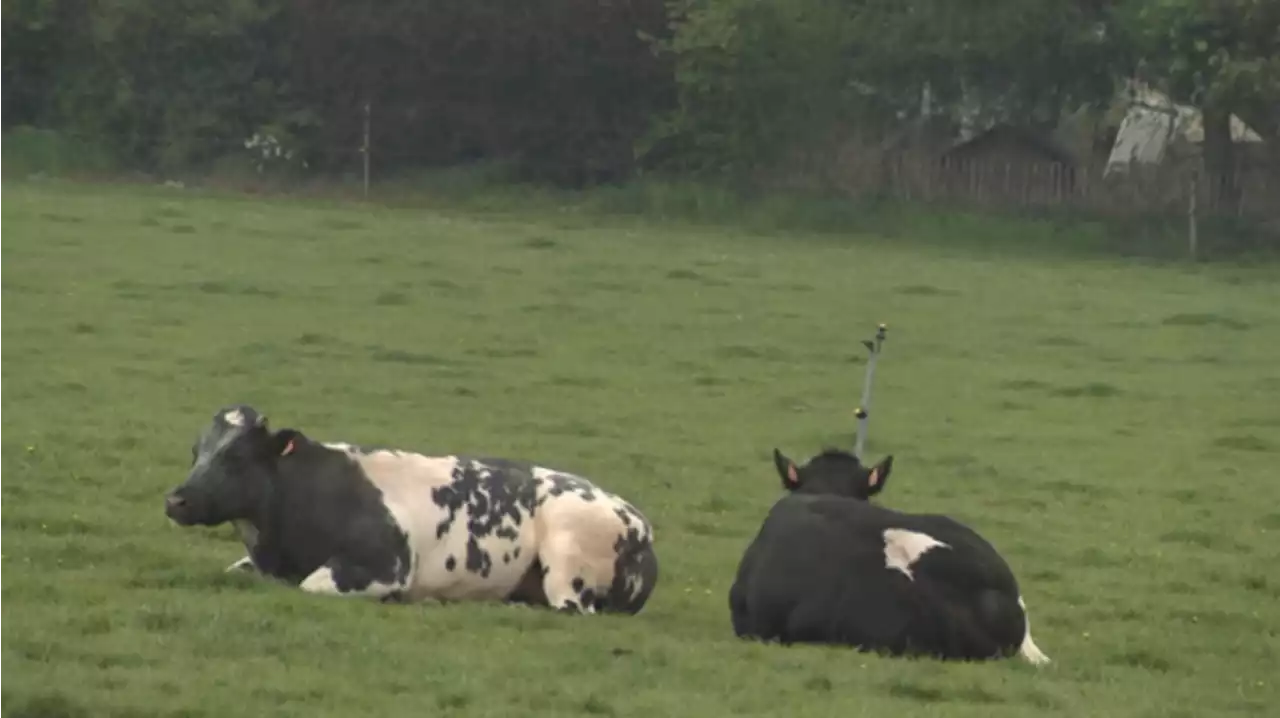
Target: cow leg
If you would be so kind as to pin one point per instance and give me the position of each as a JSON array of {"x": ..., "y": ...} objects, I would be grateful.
[
  {"x": 566, "y": 590},
  {"x": 344, "y": 578},
  {"x": 529, "y": 591},
  {"x": 577, "y": 577}
]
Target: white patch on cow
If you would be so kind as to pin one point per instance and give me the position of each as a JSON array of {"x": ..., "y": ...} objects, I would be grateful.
[
  {"x": 226, "y": 439},
  {"x": 902, "y": 548},
  {"x": 234, "y": 417},
  {"x": 244, "y": 564},
  {"x": 321, "y": 582},
  {"x": 1029, "y": 651}
]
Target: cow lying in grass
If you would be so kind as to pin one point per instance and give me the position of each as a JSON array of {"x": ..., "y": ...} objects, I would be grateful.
[
  {"x": 396, "y": 525},
  {"x": 830, "y": 567}
]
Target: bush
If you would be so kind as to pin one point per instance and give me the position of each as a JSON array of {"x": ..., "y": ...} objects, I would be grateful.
[
  {"x": 755, "y": 78},
  {"x": 176, "y": 83},
  {"x": 560, "y": 88},
  {"x": 29, "y": 151}
]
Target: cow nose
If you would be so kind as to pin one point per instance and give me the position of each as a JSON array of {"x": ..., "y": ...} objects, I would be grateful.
[{"x": 173, "y": 501}]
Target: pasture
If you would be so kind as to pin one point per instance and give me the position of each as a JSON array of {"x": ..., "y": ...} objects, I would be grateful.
[{"x": 1112, "y": 427}]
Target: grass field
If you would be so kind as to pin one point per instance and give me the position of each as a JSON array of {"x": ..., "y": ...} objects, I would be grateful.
[{"x": 1113, "y": 428}]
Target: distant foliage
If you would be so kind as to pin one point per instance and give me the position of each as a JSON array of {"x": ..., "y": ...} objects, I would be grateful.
[
  {"x": 561, "y": 87},
  {"x": 37, "y": 38},
  {"x": 759, "y": 77},
  {"x": 166, "y": 84},
  {"x": 582, "y": 91},
  {"x": 753, "y": 77},
  {"x": 1225, "y": 52}
]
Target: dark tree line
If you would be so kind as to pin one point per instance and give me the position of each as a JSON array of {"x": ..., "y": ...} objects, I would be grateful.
[{"x": 575, "y": 91}]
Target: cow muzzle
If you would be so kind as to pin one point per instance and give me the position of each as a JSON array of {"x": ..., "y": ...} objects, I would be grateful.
[{"x": 177, "y": 508}]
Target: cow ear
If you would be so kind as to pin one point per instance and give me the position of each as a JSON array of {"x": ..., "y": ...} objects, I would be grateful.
[
  {"x": 879, "y": 474},
  {"x": 787, "y": 470},
  {"x": 286, "y": 441}
]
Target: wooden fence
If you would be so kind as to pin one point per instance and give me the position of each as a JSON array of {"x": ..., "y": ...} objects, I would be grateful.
[{"x": 1019, "y": 183}]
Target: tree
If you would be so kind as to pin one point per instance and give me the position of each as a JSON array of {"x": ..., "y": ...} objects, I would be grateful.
[
  {"x": 41, "y": 43},
  {"x": 753, "y": 79},
  {"x": 1222, "y": 56},
  {"x": 757, "y": 77},
  {"x": 1024, "y": 61}
]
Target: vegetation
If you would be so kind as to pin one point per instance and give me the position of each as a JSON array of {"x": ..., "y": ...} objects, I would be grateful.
[
  {"x": 572, "y": 91},
  {"x": 1110, "y": 427}
]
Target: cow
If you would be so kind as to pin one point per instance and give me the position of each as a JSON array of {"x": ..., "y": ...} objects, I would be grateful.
[
  {"x": 828, "y": 566},
  {"x": 342, "y": 520}
]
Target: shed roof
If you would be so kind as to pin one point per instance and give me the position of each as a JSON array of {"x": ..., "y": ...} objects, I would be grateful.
[{"x": 1021, "y": 135}]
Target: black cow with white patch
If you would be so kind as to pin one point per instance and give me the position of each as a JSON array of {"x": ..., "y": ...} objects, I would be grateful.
[
  {"x": 830, "y": 567},
  {"x": 337, "y": 519}
]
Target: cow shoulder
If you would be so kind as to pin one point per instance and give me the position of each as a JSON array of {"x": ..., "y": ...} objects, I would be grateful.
[
  {"x": 395, "y": 471},
  {"x": 836, "y": 521},
  {"x": 324, "y": 503},
  {"x": 325, "y": 485}
]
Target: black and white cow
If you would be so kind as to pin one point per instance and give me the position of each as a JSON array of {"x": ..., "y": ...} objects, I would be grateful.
[
  {"x": 830, "y": 567},
  {"x": 336, "y": 519}
]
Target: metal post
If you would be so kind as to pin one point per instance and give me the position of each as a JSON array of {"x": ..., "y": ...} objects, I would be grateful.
[{"x": 873, "y": 347}]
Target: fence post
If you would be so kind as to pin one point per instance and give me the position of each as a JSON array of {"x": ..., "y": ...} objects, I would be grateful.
[
  {"x": 1193, "y": 239},
  {"x": 364, "y": 149}
]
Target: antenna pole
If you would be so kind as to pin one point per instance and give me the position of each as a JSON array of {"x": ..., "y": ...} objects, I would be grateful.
[{"x": 873, "y": 348}]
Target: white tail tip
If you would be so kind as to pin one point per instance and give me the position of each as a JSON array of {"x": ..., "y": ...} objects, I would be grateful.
[{"x": 1031, "y": 653}]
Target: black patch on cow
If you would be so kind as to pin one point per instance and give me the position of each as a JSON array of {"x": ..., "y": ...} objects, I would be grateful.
[
  {"x": 587, "y": 597},
  {"x": 478, "y": 560},
  {"x": 569, "y": 484},
  {"x": 506, "y": 558},
  {"x": 793, "y": 584},
  {"x": 577, "y": 584},
  {"x": 321, "y": 509},
  {"x": 515, "y": 552},
  {"x": 635, "y": 562},
  {"x": 496, "y": 494},
  {"x": 450, "y": 563}
]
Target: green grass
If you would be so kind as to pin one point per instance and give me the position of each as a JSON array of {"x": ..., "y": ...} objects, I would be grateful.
[{"x": 1112, "y": 428}]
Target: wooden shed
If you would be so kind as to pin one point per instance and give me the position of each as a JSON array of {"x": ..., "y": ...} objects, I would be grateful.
[{"x": 1007, "y": 162}]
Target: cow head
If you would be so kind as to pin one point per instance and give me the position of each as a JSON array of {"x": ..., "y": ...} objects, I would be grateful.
[
  {"x": 833, "y": 472},
  {"x": 232, "y": 462}
]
